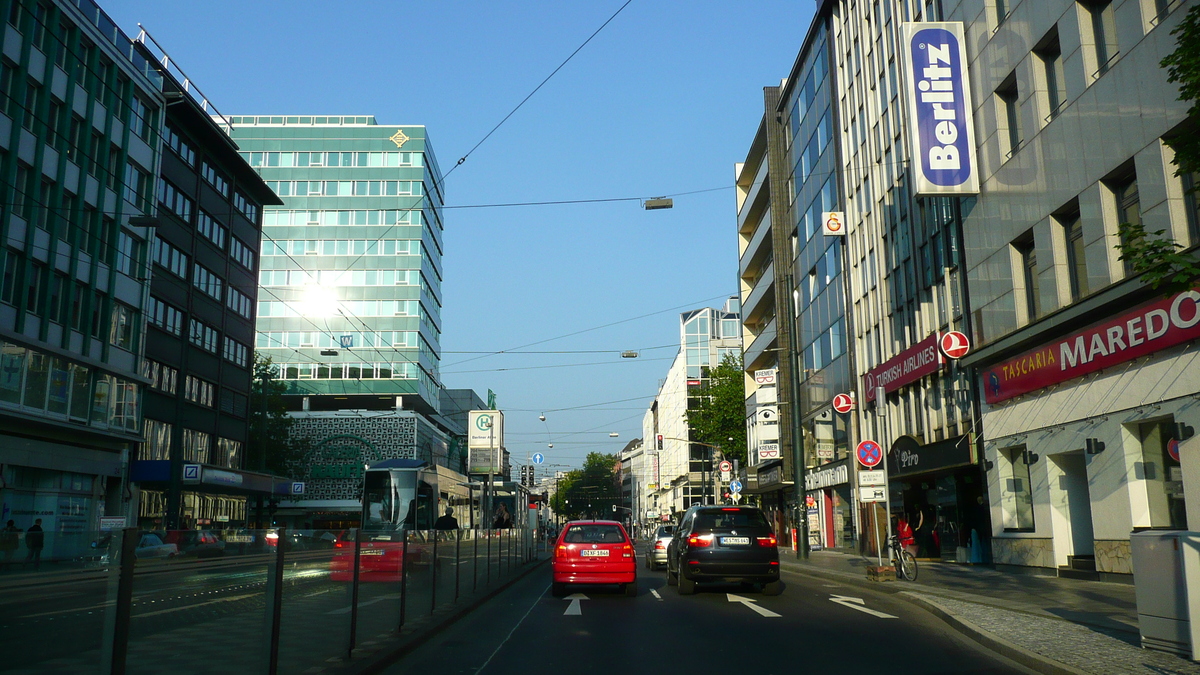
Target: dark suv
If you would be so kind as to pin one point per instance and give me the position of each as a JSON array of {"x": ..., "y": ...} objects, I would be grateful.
[{"x": 723, "y": 543}]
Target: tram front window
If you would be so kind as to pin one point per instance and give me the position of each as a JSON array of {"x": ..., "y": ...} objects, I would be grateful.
[{"x": 389, "y": 501}]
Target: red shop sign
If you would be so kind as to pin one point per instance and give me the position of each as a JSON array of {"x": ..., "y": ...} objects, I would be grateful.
[
  {"x": 906, "y": 367},
  {"x": 1145, "y": 330}
]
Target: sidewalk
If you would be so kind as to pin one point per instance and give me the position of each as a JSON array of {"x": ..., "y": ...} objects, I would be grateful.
[{"x": 1046, "y": 623}]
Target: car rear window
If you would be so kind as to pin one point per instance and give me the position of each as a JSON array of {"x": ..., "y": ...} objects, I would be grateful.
[
  {"x": 665, "y": 531},
  {"x": 713, "y": 520},
  {"x": 594, "y": 534}
]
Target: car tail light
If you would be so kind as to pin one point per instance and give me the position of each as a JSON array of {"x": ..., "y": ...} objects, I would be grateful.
[
  {"x": 733, "y": 509},
  {"x": 339, "y": 544},
  {"x": 658, "y": 546},
  {"x": 560, "y": 552},
  {"x": 768, "y": 541},
  {"x": 700, "y": 540}
]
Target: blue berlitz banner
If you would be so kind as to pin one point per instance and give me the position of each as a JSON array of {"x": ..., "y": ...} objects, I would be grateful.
[{"x": 939, "y": 105}]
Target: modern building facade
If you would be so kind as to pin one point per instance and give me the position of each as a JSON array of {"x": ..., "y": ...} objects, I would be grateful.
[
  {"x": 1085, "y": 372},
  {"x": 681, "y": 471},
  {"x": 200, "y": 319},
  {"x": 79, "y": 153}
]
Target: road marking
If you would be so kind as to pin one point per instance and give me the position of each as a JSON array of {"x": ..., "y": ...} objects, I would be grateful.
[
  {"x": 346, "y": 610},
  {"x": 510, "y": 633},
  {"x": 857, "y": 603},
  {"x": 201, "y": 604},
  {"x": 749, "y": 602},
  {"x": 574, "y": 609},
  {"x": 655, "y": 594}
]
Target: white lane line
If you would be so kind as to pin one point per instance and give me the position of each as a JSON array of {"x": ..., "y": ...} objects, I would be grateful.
[
  {"x": 575, "y": 609},
  {"x": 656, "y": 595},
  {"x": 510, "y": 633},
  {"x": 346, "y": 610},
  {"x": 858, "y": 604},
  {"x": 750, "y": 602},
  {"x": 199, "y": 604}
]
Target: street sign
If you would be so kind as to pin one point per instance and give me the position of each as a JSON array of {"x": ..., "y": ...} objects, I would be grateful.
[
  {"x": 725, "y": 466},
  {"x": 110, "y": 523},
  {"x": 735, "y": 487},
  {"x": 871, "y": 478},
  {"x": 872, "y": 493},
  {"x": 191, "y": 473},
  {"x": 954, "y": 344},
  {"x": 768, "y": 450},
  {"x": 833, "y": 223},
  {"x": 869, "y": 453},
  {"x": 1173, "y": 449},
  {"x": 843, "y": 403},
  {"x": 735, "y": 497},
  {"x": 538, "y": 458}
]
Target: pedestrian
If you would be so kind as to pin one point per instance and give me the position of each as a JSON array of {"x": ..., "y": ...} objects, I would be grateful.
[
  {"x": 35, "y": 540},
  {"x": 503, "y": 518},
  {"x": 10, "y": 540},
  {"x": 904, "y": 532},
  {"x": 446, "y": 522}
]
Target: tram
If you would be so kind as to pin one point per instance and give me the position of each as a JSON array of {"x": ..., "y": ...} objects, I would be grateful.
[{"x": 399, "y": 496}]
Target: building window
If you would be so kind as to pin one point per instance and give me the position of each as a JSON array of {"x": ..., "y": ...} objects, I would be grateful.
[
  {"x": 165, "y": 316},
  {"x": 203, "y": 336},
  {"x": 1128, "y": 211},
  {"x": 1104, "y": 34},
  {"x": 196, "y": 445},
  {"x": 211, "y": 229},
  {"x": 1191, "y": 184},
  {"x": 1050, "y": 55},
  {"x": 206, "y": 281},
  {"x": 158, "y": 441},
  {"x": 162, "y": 377},
  {"x": 241, "y": 253},
  {"x": 171, "y": 258},
  {"x": 236, "y": 352},
  {"x": 176, "y": 142},
  {"x": 229, "y": 453},
  {"x": 1163, "y": 476},
  {"x": 1002, "y": 10},
  {"x": 174, "y": 199},
  {"x": 141, "y": 118},
  {"x": 1016, "y": 493},
  {"x": 1007, "y": 93},
  {"x": 129, "y": 254},
  {"x": 215, "y": 179},
  {"x": 247, "y": 207},
  {"x": 1028, "y": 259},
  {"x": 238, "y": 302},
  {"x": 199, "y": 391},
  {"x": 124, "y": 326},
  {"x": 1076, "y": 262}
]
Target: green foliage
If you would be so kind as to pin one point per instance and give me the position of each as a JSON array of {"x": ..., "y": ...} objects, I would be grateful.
[
  {"x": 271, "y": 448},
  {"x": 590, "y": 492},
  {"x": 1183, "y": 68},
  {"x": 1160, "y": 259},
  {"x": 722, "y": 413}
]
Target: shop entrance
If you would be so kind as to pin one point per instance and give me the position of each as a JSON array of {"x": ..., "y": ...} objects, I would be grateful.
[{"x": 1075, "y": 502}]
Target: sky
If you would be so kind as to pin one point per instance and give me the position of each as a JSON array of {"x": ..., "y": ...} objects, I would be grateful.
[{"x": 664, "y": 100}]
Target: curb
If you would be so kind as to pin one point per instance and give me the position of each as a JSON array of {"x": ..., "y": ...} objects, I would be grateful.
[
  {"x": 1014, "y": 652},
  {"x": 408, "y": 641}
]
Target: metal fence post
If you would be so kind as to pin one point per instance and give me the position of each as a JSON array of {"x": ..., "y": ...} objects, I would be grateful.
[
  {"x": 475, "y": 561},
  {"x": 116, "y": 621},
  {"x": 433, "y": 574},
  {"x": 275, "y": 602},
  {"x": 457, "y": 563},
  {"x": 354, "y": 534},
  {"x": 489, "y": 557},
  {"x": 403, "y": 577}
]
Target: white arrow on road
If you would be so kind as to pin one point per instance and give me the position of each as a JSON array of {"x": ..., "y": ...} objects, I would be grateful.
[
  {"x": 749, "y": 602},
  {"x": 574, "y": 609},
  {"x": 857, "y": 603}
]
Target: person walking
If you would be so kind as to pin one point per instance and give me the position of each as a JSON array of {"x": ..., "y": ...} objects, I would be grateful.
[
  {"x": 10, "y": 540},
  {"x": 35, "y": 540},
  {"x": 446, "y": 522}
]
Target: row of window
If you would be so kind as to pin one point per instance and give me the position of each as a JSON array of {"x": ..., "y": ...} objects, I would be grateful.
[
  {"x": 205, "y": 280},
  {"x": 348, "y": 371},
  {"x": 33, "y": 380},
  {"x": 236, "y": 352},
  {"x": 328, "y": 340},
  {"x": 165, "y": 316},
  {"x": 339, "y": 278},
  {"x": 38, "y": 289},
  {"x": 357, "y": 308},
  {"x": 202, "y": 335},
  {"x": 363, "y": 159},
  {"x": 198, "y": 391},
  {"x": 212, "y": 175},
  {"x": 342, "y": 247},
  {"x": 162, "y": 377},
  {"x": 346, "y": 188},
  {"x": 240, "y": 303},
  {"x": 344, "y": 217}
]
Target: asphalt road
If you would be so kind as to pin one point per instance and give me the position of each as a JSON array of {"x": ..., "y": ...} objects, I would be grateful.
[{"x": 814, "y": 626}]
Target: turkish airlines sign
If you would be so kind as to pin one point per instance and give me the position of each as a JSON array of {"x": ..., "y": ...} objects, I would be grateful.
[
  {"x": 939, "y": 103},
  {"x": 905, "y": 368},
  {"x": 1150, "y": 328}
]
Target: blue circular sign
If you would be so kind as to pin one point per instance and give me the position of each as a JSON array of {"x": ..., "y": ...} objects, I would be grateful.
[
  {"x": 869, "y": 453},
  {"x": 735, "y": 486},
  {"x": 1173, "y": 449},
  {"x": 538, "y": 458}
]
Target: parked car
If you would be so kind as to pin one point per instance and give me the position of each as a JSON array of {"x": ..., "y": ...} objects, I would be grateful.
[
  {"x": 593, "y": 552},
  {"x": 733, "y": 544},
  {"x": 656, "y": 547},
  {"x": 197, "y": 543},
  {"x": 151, "y": 545}
]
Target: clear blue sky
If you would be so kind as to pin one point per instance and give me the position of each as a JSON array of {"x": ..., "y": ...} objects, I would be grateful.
[{"x": 664, "y": 100}]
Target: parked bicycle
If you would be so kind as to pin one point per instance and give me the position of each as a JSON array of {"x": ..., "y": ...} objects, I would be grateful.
[{"x": 905, "y": 563}]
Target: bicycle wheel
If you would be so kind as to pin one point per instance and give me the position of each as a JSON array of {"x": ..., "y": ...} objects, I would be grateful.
[{"x": 908, "y": 566}]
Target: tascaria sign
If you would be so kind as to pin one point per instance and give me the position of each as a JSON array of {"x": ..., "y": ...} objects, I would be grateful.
[{"x": 939, "y": 107}]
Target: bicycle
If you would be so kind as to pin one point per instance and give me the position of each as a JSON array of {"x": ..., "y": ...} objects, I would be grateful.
[{"x": 905, "y": 562}]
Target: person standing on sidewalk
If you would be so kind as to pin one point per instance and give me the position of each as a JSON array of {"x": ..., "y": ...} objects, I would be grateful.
[
  {"x": 35, "y": 540},
  {"x": 10, "y": 540}
]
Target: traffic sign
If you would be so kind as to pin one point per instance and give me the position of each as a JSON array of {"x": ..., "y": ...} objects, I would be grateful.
[
  {"x": 1173, "y": 449},
  {"x": 954, "y": 344},
  {"x": 869, "y": 453},
  {"x": 735, "y": 497},
  {"x": 735, "y": 487},
  {"x": 870, "y": 478},
  {"x": 725, "y": 466},
  {"x": 843, "y": 403},
  {"x": 538, "y": 458},
  {"x": 872, "y": 493}
]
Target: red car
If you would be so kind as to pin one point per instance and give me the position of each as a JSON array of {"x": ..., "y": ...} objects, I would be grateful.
[
  {"x": 379, "y": 560},
  {"x": 593, "y": 552}
]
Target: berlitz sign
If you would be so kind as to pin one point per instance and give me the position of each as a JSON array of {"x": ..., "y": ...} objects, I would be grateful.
[
  {"x": 906, "y": 367},
  {"x": 939, "y": 102},
  {"x": 1149, "y": 328}
]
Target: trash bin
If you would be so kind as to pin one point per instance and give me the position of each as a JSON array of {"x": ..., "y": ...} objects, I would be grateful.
[{"x": 1161, "y": 587}]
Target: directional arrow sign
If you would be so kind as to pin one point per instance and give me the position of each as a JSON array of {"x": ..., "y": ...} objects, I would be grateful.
[
  {"x": 857, "y": 603},
  {"x": 574, "y": 609},
  {"x": 749, "y": 602}
]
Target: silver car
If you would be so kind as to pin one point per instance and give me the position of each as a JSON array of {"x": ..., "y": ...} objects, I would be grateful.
[{"x": 656, "y": 547}]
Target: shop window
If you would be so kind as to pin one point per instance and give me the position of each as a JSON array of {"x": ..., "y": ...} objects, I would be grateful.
[
  {"x": 1163, "y": 475},
  {"x": 1016, "y": 493}
]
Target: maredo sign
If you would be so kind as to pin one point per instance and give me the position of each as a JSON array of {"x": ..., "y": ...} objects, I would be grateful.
[{"x": 1145, "y": 330}]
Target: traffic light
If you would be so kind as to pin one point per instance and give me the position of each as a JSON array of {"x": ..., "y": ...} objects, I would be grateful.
[{"x": 660, "y": 440}]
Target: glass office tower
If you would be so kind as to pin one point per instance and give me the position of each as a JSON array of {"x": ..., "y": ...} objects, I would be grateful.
[{"x": 350, "y": 283}]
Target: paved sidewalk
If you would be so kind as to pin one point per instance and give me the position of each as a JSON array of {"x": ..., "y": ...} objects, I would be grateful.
[{"x": 1048, "y": 624}]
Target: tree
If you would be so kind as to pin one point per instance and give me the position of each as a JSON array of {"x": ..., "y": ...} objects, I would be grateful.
[
  {"x": 1158, "y": 258},
  {"x": 721, "y": 415},
  {"x": 590, "y": 492},
  {"x": 271, "y": 448}
]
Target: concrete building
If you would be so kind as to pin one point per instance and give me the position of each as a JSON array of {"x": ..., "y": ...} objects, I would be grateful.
[
  {"x": 80, "y": 117},
  {"x": 681, "y": 471}
]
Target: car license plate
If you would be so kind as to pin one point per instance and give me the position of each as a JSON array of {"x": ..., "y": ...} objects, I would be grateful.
[
  {"x": 594, "y": 553},
  {"x": 371, "y": 551},
  {"x": 735, "y": 541}
]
